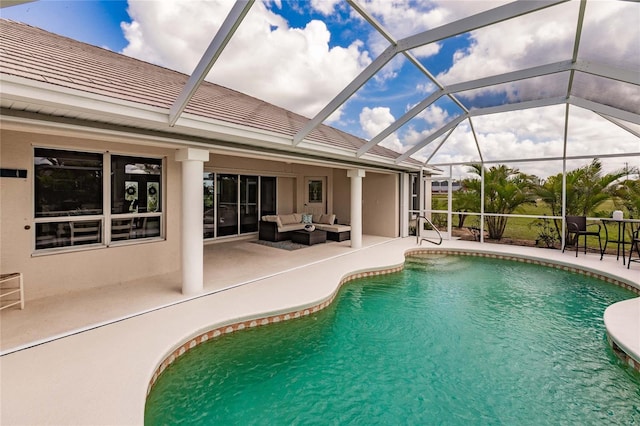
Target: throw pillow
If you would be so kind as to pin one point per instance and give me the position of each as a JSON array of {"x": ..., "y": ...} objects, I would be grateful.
[
  {"x": 328, "y": 219},
  {"x": 288, "y": 219},
  {"x": 307, "y": 218}
]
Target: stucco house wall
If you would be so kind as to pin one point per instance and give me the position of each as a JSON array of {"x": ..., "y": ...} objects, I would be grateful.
[
  {"x": 56, "y": 272},
  {"x": 380, "y": 204},
  {"x": 73, "y": 270},
  {"x": 342, "y": 196}
]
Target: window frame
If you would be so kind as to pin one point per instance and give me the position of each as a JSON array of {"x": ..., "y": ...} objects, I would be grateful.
[{"x": 107, "y": 218}]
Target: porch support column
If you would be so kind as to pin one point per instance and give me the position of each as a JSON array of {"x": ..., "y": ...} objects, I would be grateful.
[
  {"x": 192, "y": 211},
  {"x": 356, "y": 176},
  {"x": 405, "y": 203}
]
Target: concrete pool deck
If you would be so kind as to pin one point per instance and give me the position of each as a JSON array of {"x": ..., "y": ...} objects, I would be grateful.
[{"x": 88, "y": 358}]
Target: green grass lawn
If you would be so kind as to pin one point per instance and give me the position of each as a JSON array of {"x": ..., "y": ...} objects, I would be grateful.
[{"x": 525, "y": 230}]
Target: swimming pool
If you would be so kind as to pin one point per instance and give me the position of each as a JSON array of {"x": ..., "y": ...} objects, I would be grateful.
[{"x": 449, "y": 340}]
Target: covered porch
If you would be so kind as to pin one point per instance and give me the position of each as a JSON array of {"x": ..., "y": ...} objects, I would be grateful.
[
  {"x": 226, "y": 265},
  {"x": 234, "y": 264}
]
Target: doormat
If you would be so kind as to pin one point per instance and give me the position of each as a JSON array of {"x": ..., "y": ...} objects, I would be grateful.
[{"x": 283, "y": 245}]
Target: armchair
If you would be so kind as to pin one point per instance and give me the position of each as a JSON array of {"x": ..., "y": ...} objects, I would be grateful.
[{"x": 576, "y": 227}]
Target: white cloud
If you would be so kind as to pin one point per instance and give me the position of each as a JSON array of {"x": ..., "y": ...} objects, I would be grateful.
[
  {"x": 611, "y": 33},
  {"x": 548, "y": 36},
  {"x": 294, "y": 68},
  {"x": 538, "y": 133},
  {"x": 435, "y": 116},
  {"x": 375, "y": 120},
  {"x": 401, "y": 19},
  {"x": 541, "y": 38},
  {"x": 426, "y": 88},
  {"x": 325, "y": 7},
  {"x": 538, "y": 39},
  {"x": 297, "y": 68}
]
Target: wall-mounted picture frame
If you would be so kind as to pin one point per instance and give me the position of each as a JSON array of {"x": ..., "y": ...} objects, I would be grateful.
[{"x": 315, "y": 191}]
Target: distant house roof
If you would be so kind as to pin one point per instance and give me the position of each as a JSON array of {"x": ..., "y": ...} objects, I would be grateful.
[{"x": 44, "y": 58}]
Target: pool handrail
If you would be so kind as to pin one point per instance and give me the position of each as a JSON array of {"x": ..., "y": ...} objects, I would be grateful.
[{"x": 419, "y": 228}]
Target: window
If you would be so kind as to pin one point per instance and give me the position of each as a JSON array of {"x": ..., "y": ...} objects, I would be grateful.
[
  {"x": 208, "y": 193},
  {"x": 136, "y": 202},
  {"x": 70, "y": 194},
  {"x": 67, "y": 183}
]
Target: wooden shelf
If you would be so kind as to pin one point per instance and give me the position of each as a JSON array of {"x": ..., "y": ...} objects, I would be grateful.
[{"x": 9, "y": 290}]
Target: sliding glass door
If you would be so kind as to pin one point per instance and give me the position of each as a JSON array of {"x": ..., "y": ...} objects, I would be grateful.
[
  {"x": 248, "y": 204},
  {"x": 227, "y": 205},
  {"x": 234, "y": 203}
]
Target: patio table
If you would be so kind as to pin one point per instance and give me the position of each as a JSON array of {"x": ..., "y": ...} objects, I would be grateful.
[
  {"x": 621, "y": 239},
  {"x": 309, "y": 238}
]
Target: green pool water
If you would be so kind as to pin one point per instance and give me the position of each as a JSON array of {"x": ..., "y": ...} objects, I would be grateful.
[{"x": 451, "y": 340}]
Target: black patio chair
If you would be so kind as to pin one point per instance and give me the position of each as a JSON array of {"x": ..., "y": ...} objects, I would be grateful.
[
  {"x": 635, "y": 244},
  {"x": 576, "y": 227}
]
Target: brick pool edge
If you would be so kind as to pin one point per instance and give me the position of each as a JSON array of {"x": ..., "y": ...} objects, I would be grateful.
[{"x": 224, "y": 329}]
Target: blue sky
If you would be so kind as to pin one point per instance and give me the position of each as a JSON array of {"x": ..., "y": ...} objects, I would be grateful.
[
  {"x": 93, "y": 22},
  {"x": 100, "y": 23},
  {"x": 300, "y": 54}
]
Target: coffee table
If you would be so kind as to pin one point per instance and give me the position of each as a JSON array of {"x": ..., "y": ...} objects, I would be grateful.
[{"x": 309, "y": 238}]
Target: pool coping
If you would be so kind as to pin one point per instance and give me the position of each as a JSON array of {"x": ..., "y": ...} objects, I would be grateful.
[{"x": 623, "y": 351}]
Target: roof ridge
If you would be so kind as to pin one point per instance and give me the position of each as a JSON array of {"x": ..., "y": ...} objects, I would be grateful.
[{"x": 231, "y": 105}]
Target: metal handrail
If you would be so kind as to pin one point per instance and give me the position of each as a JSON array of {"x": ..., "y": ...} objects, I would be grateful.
[{"x": 419, "y": 229}]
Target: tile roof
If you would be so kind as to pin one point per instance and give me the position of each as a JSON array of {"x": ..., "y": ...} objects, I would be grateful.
[{"x": 36, "y": 54}]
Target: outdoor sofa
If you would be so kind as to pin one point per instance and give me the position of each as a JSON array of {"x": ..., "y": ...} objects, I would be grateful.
[{"x": 280, "y": 227}]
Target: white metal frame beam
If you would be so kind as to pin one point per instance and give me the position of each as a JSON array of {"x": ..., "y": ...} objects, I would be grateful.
[
  {"x": 475, "y": 138},
  {"x": 605, "y": 109},
  {"x": 433, "y": 136},
  {"x": 619, "y": 124},
  {"x": 536, "y": 103},
  {"x": 351, "y": 88},
  {"x": 594, "y": 68},
  {"x": 435, "y": 151},
  {"x": 415, "y": 110},
  {"x": 378, "y": 27},
  {"x": 476, "y": 112},
  {"x": 556, "y": 67},
  {"x": 211, "y": 55},
  {"x": 480, "y": 20},
  {"x": 474, "y": 22},
  {"x": 538, "y": 159},
  {"x": 607, "y": 71},
  {"x": 460, "y": 87}
]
